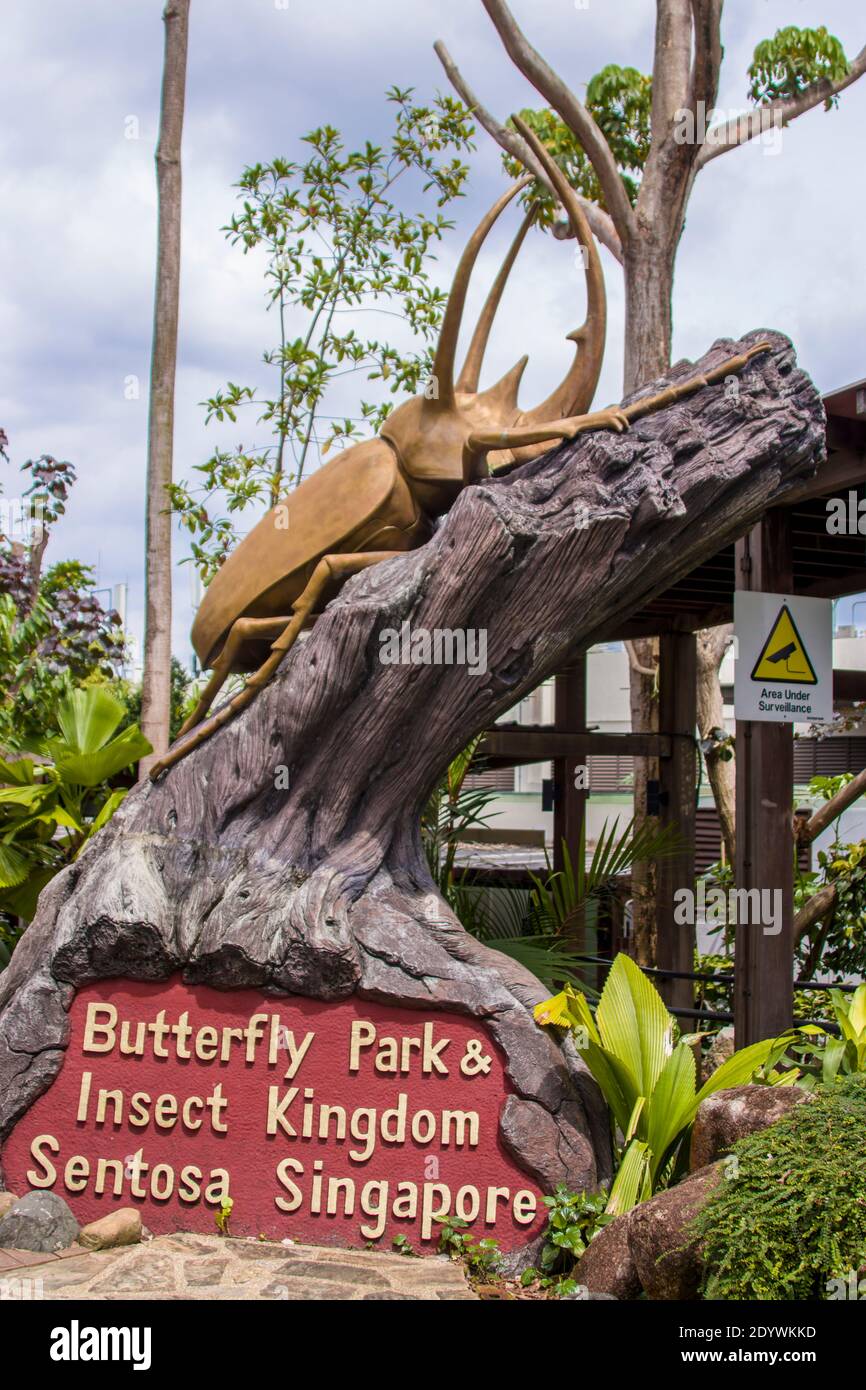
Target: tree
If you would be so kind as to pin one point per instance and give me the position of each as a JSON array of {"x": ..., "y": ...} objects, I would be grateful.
[
  {"x": 53, "y": 627},
  {"x": 337, "y": 243},
  {"x": 716, "y": 744},
  {"x": 634, "y": 149},
  {"x": 156, "y": 675}
]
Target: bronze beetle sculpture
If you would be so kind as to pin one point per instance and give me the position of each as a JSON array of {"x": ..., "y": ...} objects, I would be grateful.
[{"x": 381, "y": 497}]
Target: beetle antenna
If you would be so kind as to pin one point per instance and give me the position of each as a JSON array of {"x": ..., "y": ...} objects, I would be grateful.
[
  {"x": 574, "y": 394},
  {"x": 446, "y": 348},
  {"x": 469, "y": 376}
]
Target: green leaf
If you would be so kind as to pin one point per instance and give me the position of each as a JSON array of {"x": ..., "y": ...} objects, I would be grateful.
[
  {"x": 20, "y": 772},
  {"x": 634, "y": 1024},
  {"x": 14, "y": 866},
  {"x": 632, "y": 1182},
  {"x": 740, "y": 1068},
  {"x": 87, "y": 718},
  {"x": 91, "y": 769}
]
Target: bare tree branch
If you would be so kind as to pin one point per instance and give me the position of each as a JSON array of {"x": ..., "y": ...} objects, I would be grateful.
[
  {"x": 671, "y": 66},
  {"x": 707, "y": 22},
  {"x": 740, "y": 129},
  {"x": 826, "y": 814},
  {"x": 573, "y": 112},
  {"x": 814, "y": 909},
  {"x": 601, "y": 223},
  {"x": 664, "y": 186},
  {"x": 635, "y": 662}
]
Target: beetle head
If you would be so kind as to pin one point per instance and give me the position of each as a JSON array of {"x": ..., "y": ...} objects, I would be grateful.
[{"x": 429, "y": 432}]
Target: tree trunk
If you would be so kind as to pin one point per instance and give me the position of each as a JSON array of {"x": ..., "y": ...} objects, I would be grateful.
[
  {"x": 156, "y": 674},
  {"x": 643, "y": 699},
  {"x": 648, "y": 286},
  {"x": 649, "y": 276},
  {"x": 323, "y": 889},
  {"x": 713, "y": 642}
]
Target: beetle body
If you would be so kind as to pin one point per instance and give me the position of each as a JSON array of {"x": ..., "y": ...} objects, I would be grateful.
[{"x": 358, "y": 501}]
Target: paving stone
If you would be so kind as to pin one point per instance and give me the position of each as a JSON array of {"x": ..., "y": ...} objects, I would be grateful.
[
  {"x": 389, "y": 1296},
  {"x": 184, "y": 1267},
  {"x": 27, "y": 1257},
  {"x": 64, "y": 1276},
  {"x": 156, "y": 1272},
  {"x": 201, "y": 1272},
  {"x": 197, "y": 1245},
  {"x": 257, "y": 1250},
  {"x": 339, "y": 1274}
]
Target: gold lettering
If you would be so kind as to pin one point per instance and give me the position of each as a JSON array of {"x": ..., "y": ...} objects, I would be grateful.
[
  {"x": 363, "y": 1035},
  {"x": 92, "y": 1028},
  {"x": 43, "y": 1141},
  {"x": 525, "y": 1207}
]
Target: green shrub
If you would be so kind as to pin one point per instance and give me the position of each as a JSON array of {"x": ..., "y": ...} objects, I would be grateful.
[{"x": 792, "y": 1215}]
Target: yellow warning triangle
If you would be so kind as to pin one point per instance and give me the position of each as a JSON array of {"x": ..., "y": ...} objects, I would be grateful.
[{"x": 783, "y": 656}]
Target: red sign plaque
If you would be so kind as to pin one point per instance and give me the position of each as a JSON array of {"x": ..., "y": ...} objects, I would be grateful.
[{"x": 343, "y": 1123}]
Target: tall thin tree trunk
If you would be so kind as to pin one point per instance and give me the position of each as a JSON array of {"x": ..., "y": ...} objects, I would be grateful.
[
  {"x": 712, "y": 645},
  {"x": 156, "y": 676},
  {"x": 648, "y": 285},
  {"x": 649, "y": 273},
  {"x": 643, "y": 662}
]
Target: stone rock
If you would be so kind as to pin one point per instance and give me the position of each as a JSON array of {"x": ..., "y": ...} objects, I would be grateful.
[
  {"x": 729, "y": 1115},
  {"x": 39, "y": 1221},
  {"x": 719, "y": 1050},
  {"x": 121, "y": 1227},
  {"x": 7, "y": 1202},
  {"x": 606, "y": 1266},
  {"x": 666, "y": 1261},
  {"x": 550, "y": 1147}
]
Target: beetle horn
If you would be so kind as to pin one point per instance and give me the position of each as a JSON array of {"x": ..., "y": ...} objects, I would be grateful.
[
  {"x": 468, "y": 379},
  {"x": 446, "y": 348},
  {"x": 502, "y": 396},
  {"x": 574, "y": 394}
]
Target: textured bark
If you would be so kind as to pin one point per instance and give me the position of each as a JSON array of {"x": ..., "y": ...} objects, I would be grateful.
[
  {"x": 713, "y": 642},
  {"x": 156, "y": 673},
  {"x": 323, "y": 889},
  {"x": 644, "y": 707}
]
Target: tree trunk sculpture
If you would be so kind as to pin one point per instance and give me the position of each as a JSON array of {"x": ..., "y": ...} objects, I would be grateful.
[{"x": 321, "y": 888}]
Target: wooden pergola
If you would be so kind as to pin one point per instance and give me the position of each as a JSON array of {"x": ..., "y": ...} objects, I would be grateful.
[{"x": 789, "y": 551}]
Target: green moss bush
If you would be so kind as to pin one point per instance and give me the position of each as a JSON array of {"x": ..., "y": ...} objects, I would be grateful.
[{"x": 791, "y": 1215}]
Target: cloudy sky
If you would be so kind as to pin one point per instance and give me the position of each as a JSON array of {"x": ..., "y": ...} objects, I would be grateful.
[{"x": 773, "y": 239}]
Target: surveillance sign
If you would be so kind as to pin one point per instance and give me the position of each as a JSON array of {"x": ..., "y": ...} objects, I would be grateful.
[{"x": 784, "y": 670}]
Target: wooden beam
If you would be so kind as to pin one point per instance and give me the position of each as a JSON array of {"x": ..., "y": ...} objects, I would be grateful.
[
  {"x": 675, "y": 942},
  {"x": 832, "y": 586},
  {"x": 763, "y": 977},
  {"x": 518, "y": 744},
  {"x": 844, "y": 468},
  {"x": 652, "y": 622}
]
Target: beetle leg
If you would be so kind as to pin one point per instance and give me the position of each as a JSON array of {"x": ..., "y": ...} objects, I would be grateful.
[
  {"x": 239, "y": 632},
  {"x": 329, "y": 568},
  {"x": 477, "y": 445}
]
